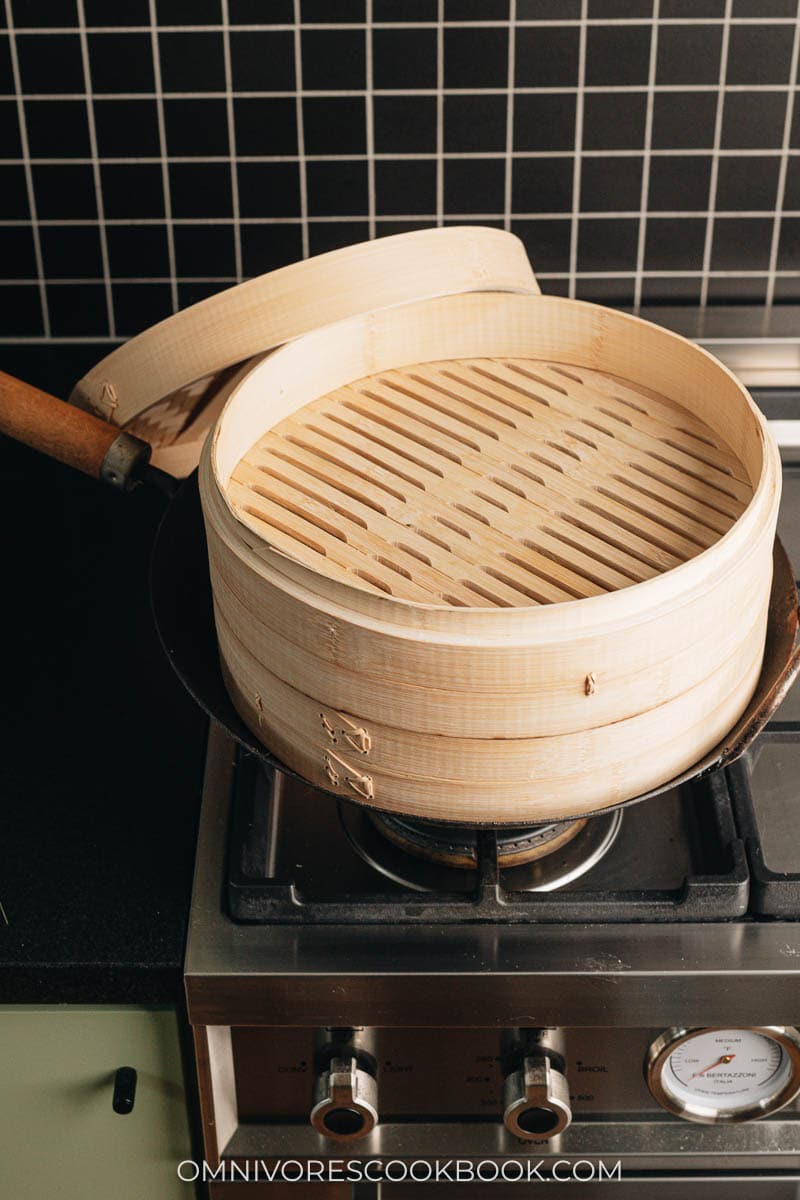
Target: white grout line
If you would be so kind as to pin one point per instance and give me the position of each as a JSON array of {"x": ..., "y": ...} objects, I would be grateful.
[
  {"x": 576, "y": 172},
  {"x": 712, "y": 186},
  {"x": 162, "y": 145},
  {"x": 648, "y": 141},
  {"x": 633, "y": 89},
  {"x": 476, "y": 24},
  {"x": 439, "y": 93},
  {"x": 782, "y": 170},
  {"x": 26, "y": 165},
  {"x": 370, "y": 121},
  {"x": 301, "y": 138},
  {"x": 98, "y": 183},
  {"x": 511, "y": 79},
  {"x": 422, "y": 156},
  {"x": 419, "y": 218},
  {"x": 229, "y": 115}
]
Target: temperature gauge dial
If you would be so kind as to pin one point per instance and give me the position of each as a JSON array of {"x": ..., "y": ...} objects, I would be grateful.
[{"x": 724, "y": 1075}]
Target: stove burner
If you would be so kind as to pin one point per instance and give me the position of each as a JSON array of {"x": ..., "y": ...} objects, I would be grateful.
[
  {"x": 430, "y": 858},
  {"x": 457, "y": 845}
]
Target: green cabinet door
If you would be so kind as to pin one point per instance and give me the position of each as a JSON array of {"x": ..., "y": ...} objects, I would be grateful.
[{"x": 59, "y": 1135}]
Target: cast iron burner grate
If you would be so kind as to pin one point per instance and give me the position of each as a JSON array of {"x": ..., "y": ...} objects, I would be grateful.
[
  {"x": 291, "y": 860},
  {"x": 763, "y": 784}
]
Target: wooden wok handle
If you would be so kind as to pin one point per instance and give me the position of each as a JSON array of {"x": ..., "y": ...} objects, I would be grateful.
[{"x": 70, "y": 435}]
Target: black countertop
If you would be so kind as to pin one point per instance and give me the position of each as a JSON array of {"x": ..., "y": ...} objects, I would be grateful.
[{"x": 102, "y": 751}]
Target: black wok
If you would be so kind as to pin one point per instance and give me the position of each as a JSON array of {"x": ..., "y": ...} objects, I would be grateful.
[{"x": 180, "y": 587}]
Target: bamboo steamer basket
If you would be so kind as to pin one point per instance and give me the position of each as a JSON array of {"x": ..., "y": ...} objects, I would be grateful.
[{"x": 490, "y": 557}]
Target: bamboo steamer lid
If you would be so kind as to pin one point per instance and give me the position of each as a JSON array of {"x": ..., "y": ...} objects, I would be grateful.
[
  {"x": 490, "y": 557},
  {"x": 168, "y": 385}
]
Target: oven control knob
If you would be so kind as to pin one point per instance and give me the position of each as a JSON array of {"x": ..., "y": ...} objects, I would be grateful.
[
  {"x": 345, "y": 1101},
  {"x": 536, "y": 1100}
]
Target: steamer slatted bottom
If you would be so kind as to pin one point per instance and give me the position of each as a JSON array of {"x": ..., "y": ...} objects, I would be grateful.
[{"x": 491, "y": 482}]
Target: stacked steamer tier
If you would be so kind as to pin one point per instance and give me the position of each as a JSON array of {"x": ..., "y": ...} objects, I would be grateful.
[{"x": 490, "y": 558}]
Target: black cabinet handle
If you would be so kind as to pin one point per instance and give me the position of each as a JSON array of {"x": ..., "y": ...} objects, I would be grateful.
[{"x": 124, "y": 1090}]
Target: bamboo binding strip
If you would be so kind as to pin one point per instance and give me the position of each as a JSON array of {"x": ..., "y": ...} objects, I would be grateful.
[{"x": 491, "y": 557}]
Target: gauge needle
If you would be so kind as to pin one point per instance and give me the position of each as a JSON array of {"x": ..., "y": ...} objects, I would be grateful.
[{"x": 726, "y": 1058}]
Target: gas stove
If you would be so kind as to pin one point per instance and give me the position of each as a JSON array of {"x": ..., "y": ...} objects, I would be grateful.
[{"x": 369, "y": 990}]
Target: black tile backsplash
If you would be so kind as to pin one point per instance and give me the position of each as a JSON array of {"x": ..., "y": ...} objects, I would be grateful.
[
  {"x": 121, "y": 12},
  {"x": 474, "y": 123},
  {"x": 262, "y": 61},
  {"x": 268, "y": 189},
  {"x": 547, "y": 56},
  {"x": 474, "y": 57},
  {"x": 75, "y": 252},
  {"x": 545, "y": 121},
  {"x": 121, "y": 62},
  {"x": 192, "y": 62},
  {"x": 641, "y": 161},
  {"x": 404, "y": 124},
  {"x": 405, "y": 186},
  {"x": 752, "y": 191},
  {"x": 45, "y": 14},
  {"x": 607, "y": 244},
  {"x": 543, "y": 185},
  {"x": 675, "y": 244},
  {"x": 132, "y": 191},
  {"x": 199, "y": 127},
  {"x": 210, "y": 248},
  {"x": 267, "y": 125},
  {"x": 331, "y": 125},
  {"x": 200, "y": 190},
  {"x": 13, "y": 194},
  {"x": 609, "y": 184},
  {"x": 138, "y": 250},
  {"x": 684, "y": 120},
  {"x": 679, "y": 183},
  {"x": 760, "y": 54},
  {"x": 127, "y": 128},
  {"x": 402, "y": 59},
  {"x": 64, "y": 191},
  {"x": 689, "y": 54},
  {"x": 179, "y": 12},
  {"x": 474, "y": 185},
  {"x": 251, "y": 12},
  {"x": 548, "y": 244},
  {"x": 57, "y": 128},
  {"x": 337, "y": 189},
  {"x": 336, "y": 59},
  {"x": 137, "y": 305},
  {"x": 50, "y": 64},
  {"x": 614, "y": 121},
  {"x": 77, "y": 310},
  {"x": 266, "y": 247},
  {"x": 753, "y": 120},
  {"x": 17, "y": 251},
  {"x": 617, "y": 55},
  {"x": 741, "y": 243}
]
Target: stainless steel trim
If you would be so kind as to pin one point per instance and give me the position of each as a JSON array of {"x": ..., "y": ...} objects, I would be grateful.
[
  {"x": 662, "y": 1144},
  {"x": 760, "y": 345},
  {"x": 646, "y": 976}
]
